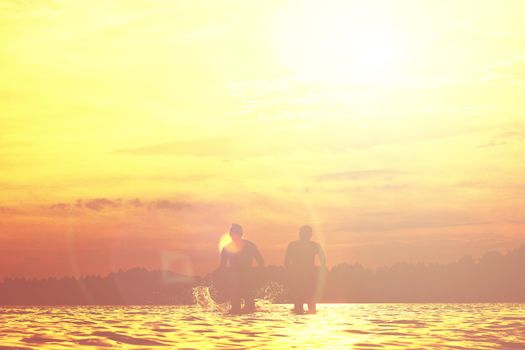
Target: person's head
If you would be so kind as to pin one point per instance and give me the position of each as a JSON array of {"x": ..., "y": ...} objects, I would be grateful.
[
  {"x": 305, "y": 232},
  {"x": 236, "y": 232}
]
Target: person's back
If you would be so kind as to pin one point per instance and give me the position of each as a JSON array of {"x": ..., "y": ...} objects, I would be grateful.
[
  {"x": 300, "y": 262},
  {"x": 301, "y": 254}
]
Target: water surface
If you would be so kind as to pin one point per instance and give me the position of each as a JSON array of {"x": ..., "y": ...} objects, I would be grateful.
[{"x": 344, "y": 326}]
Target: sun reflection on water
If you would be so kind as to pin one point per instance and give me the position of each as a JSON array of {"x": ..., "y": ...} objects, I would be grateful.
[{"x": 357, "y": 326}]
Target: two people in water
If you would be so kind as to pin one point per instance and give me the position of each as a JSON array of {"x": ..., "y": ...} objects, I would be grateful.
[{"x": 299, "y": 261}]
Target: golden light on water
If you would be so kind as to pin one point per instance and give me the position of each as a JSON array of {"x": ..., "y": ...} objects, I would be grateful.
[{"x": 336, "y": 326}]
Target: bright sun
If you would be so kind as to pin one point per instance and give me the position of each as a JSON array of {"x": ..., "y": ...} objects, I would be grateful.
[{"x": 331, "y": 41}]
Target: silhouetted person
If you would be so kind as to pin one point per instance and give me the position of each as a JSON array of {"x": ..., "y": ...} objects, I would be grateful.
[
  {"x": 239, "y": 256},
  {"x": 300, "y": 263}
]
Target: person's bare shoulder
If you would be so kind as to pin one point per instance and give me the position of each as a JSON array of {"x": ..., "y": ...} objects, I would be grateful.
[
  {"x": 316, "y": 245},
  {"x": 250, "y": 244},
  {"x": 294, "y": 243}
]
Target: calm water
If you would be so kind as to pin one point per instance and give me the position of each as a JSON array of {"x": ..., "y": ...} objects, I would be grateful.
[{"x": 344, "y": 326}]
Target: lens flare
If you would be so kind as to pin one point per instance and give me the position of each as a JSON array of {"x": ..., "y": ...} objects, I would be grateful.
[{"x": 224, "y": 241}]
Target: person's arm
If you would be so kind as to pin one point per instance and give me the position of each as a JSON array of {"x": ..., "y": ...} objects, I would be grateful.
[
  {"x": 224, "y": 258},
  {"x": 322, "y": 256},
  {"x": 287, "y": 257},
  {"x": 258, "y": 257}
]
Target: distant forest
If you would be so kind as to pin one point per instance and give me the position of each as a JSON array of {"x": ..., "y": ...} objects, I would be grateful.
[{"x": 493, "y": 278}]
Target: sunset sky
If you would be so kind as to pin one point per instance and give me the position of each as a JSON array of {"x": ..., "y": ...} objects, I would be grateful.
[{"x": 133, "y": 133}]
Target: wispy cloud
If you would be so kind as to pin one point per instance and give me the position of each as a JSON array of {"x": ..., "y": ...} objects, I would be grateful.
[
  {"x": 8, "y": 210},
  {"x": 381, "y": 222},
  {"x": 200, "y": 148},
  {"x": 511, "y": 68},
  {"x": 101, "y": 204},
  {"x": 505, "y": 138},
  {"x": 227, "y": 147},
  {"x": 386, "y": 174}
]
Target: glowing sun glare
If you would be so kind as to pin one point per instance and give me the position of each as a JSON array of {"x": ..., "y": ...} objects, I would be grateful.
[
  {"x": 224, "y": 241},
  {"x": 331, "y": 41}
]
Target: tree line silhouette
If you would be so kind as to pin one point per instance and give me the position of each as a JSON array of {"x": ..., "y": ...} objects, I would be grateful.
[{"x": 494, "y": 277}]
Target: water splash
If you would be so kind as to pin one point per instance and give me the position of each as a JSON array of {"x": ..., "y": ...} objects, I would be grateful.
[
  {"x": 270, "y": 292},
  {"x": 264, "y": 297},
  {"x": 203, "y": 299}
]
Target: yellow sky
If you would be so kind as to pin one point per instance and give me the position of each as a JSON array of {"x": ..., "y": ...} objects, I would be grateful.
[{"x": 396, "y": 129}]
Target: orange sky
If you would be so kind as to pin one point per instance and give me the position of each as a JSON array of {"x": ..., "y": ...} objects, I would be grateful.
[{"x": 134, "y": 133}]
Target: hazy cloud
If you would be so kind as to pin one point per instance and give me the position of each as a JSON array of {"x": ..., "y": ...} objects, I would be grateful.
[
  {"x": 509, "y": 137},
  {"x": 201, "y": 148},
  {"x": 101, "y": 204},
  {"x": 512, "y": 68},
  {"x": 379, "y": 222},
  {"x": 60, "y": 206},
  {"x": 136, "y": 202},
  {"x": 168, "y": 204},
  {"x": 387, "y": 174},
  {"x": 8, "y": 210},
  {"x": 98, "y": 204},
  {"x": 238, "y": 146}
]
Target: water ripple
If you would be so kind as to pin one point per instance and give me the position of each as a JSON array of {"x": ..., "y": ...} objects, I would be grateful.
[{"x": 341, "y": 326}]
